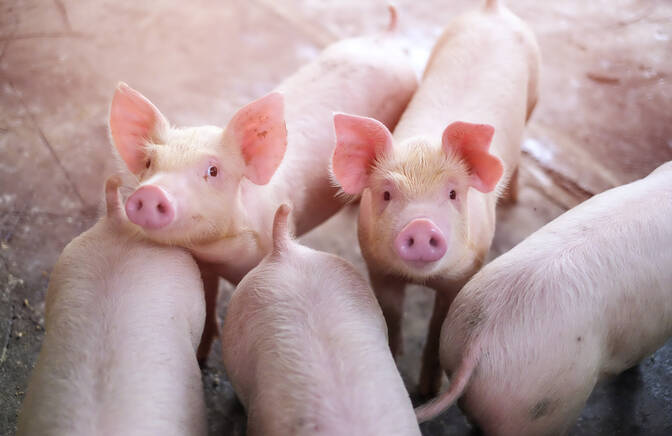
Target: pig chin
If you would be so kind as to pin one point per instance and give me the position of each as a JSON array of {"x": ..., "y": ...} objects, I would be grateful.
[
  {"x": 188, "y": 232},
  {"x": 416, "y": 271},
  {"x": 419, "y": 271}
]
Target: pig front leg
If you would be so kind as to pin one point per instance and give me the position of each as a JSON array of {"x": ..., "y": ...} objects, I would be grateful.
[
  {"x": 211, "y": 327},
  {"x": 431, "y": 372},
  {"x": 390, "y": 292}
]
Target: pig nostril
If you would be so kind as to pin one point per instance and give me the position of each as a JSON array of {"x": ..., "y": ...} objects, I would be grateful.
[
  {"x": 139, "y": 204},
  {"x": 161, "y": 208},
  {"x": 433, "y": 242},
  {"x": 411, "y": 241}
]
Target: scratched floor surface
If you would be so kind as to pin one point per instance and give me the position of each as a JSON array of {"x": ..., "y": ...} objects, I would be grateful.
[{"x": 604, "y": 118}]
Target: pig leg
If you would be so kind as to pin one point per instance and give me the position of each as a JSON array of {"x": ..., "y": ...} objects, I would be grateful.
[
  {"x": 511, "y": 194},
  {"x": 431, "y": 373},
  {"x": 390, "y": 292},
  {"x": 211, "y": 327}
]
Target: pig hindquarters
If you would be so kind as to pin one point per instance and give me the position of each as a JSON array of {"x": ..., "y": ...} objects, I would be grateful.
[
  {"x": 587, "y": 295},
  {"x": 305, "y": 348},
  {"x": 214, "y": 191},
  {"x": 427, "y": 213},
  {"x": 123, "y": 320}
]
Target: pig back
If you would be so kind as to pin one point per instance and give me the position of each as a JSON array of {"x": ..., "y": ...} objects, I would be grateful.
[
  {"x": 123, "y": 320},
  {"x": 483, "y": 69},
  {"x": 368, "y": 76},
  {"x": 314, "y": 353},
  {"x": 589, "y": 294}
]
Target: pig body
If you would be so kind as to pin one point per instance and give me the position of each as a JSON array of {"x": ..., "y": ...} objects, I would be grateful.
[
  {"x": 123, "y": 319},
  {"x": 305, "y": 347},
  {"x": 587, "y": 295},
  {"x": 214, "y": 191},
  {"x": 429, "y": 192}
]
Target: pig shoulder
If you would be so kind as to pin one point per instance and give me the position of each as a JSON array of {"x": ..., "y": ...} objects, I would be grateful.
[{"x": 108, "y": 261}]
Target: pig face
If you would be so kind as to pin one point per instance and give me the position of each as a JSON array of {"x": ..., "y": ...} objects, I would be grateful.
[
  {"x": 414, "y": 207},
  {"x": 189, "y": 178}
]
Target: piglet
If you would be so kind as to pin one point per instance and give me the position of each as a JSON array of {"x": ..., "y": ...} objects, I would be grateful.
[
  {"x": 214, "y": 190},
  {"x": 305, "y": 346},
  {"x": 586, "y": 296},
  {"x": 429, "y": 193},
  {"x": 123, "y": 320}
]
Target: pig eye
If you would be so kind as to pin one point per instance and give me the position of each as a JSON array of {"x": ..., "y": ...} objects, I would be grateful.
[
  {"x": 386, "y": 195},
  {"x": 148, "y": 163},
  {"x": 453, "y": 194},
  {"x": 212, "y": 171}
]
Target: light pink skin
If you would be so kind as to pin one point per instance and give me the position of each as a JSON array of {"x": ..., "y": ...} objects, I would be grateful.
[
  {"x": 305, "y": 348},
  {"x": 428, "y": 193},
  {"x": 586, "y": 296},
  {"x": 275, "y": 150},
  {"x": 123, "y": 319}
]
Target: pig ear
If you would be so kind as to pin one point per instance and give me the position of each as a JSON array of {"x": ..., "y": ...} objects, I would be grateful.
[
  {"x": 259, "y": 130},
  {"x": 359, "y": 140},
  {"x": 471, "y": 142},
  {"x": 133, "y": 121}
]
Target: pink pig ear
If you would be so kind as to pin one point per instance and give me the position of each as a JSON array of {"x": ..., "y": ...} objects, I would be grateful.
[
  {"x": 471, "y": 142},
  {"x": 133, "y": 121},
  {"x": 359, "y": 140},
  {"x": 259, "y": 130}
]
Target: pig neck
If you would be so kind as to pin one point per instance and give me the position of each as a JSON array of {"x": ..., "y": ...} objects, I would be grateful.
[
  {"x": 248, "y": 237},
  {"x": 480, "y": 229}
]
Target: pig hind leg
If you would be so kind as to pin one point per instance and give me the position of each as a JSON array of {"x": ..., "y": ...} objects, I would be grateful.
[
  {"x": 211, "y": 326},
  {"x": 390, "y": 292},
  {"x": 431, "y": 373}
]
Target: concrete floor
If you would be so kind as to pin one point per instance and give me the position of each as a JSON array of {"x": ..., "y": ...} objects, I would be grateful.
[{"x": 603, "y": 120}]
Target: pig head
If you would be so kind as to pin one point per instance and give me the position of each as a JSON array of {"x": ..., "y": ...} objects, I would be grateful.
[
  {"x": 414, "y": 209},
  {"x": 185, "y": 175}
]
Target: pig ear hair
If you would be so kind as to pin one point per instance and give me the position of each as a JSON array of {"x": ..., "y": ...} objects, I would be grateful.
[
  {"x": 359, "y": 142},
  {"x": 471, "y": 142},
  {"x": 259, "y": 130},
  {"x": 281, "y": 235},
  {"x": 134, "y": 120},
  {"x": 112, "y": 203}
]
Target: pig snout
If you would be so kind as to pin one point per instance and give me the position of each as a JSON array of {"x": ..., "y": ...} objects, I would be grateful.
[
  {"x": 420, "y": 241},
  {"x": 150, "y": 208}
]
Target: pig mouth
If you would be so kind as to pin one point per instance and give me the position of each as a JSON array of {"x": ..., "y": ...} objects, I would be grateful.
[{"x": 420, "y": 266}]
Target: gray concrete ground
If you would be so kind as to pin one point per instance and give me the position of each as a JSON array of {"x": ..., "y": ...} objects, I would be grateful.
[{"x": 603, "y": 120}]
